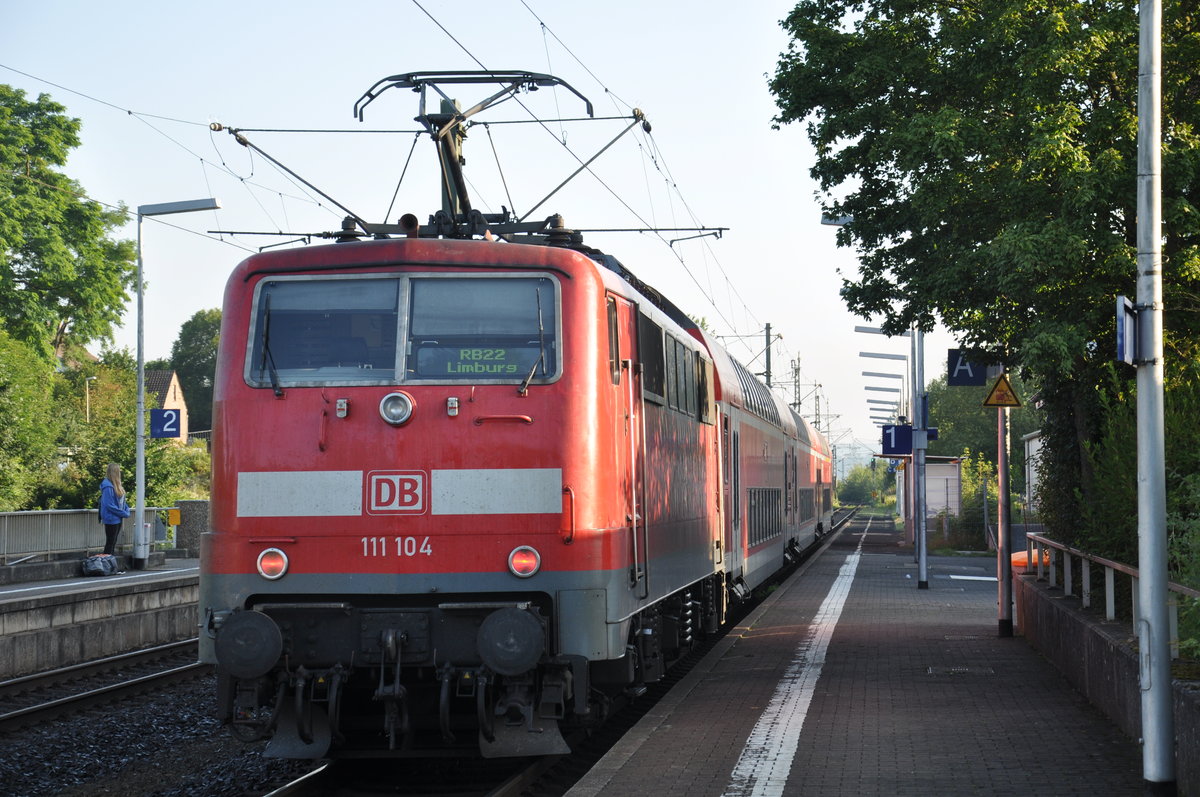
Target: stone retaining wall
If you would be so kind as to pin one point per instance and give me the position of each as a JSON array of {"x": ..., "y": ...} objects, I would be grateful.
[
  {"x": 45, "y": 633},
  {"x": 1099, "y": 659}
]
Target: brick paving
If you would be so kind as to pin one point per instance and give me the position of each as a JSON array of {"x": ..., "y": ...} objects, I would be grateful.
[{"x": 917, "y": 695}]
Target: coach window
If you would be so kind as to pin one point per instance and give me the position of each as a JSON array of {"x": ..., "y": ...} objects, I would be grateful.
[
  {"x": 322, "y": 331},
  {"x": 502, "y": 329}
]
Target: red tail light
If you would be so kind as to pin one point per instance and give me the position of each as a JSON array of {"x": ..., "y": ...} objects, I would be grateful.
[
  {"x": 524, "y": 561},
  {"x": 272, "y": 564}
]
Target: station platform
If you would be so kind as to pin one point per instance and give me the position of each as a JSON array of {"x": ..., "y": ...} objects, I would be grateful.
[
  {"x": 849, "y": 680},
  {"x": 46, "y": 623}
]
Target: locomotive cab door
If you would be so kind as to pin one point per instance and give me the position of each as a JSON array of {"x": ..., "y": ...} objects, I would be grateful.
[{"x": 625, "y": 371}]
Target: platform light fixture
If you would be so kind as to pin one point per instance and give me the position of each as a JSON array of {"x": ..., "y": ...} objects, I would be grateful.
[{"x": 141, "y": 542}]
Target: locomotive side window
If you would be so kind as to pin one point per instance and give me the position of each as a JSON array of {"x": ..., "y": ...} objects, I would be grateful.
[
  {"x": 614, "y": 343},
  {"x": 324, "y": 331},
  {"x": 687, "y": 371},
  {"x": 704, "y": 389},
  {"x": 672, "y": 373},
  {"x": 650, "y": 352},
  {"x": 686, "y": 380},
  {"x": 482, "y": 328}
]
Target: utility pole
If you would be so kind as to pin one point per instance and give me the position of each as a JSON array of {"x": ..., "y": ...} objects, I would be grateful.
[
  {"x": 768, "y": 373},
  {"x": 796, "y": 385},
  {"x": 1003, "y": 525},
  {"x": 920, "y": 440},
  {"x": 1158, "y": 722}
]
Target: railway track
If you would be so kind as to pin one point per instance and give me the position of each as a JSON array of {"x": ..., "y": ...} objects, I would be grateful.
[
  {"x": 541, "y": 777},
  {"x": 44, "y": 696}
]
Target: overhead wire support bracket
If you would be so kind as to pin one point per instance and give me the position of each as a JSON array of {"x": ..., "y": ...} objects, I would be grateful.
[
  {"x": 638, "y": 116},
  {"x": 715, "y": 232},
  {"x": 245, "y": 142}
]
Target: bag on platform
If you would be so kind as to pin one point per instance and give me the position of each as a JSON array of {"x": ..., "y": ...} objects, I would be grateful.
[{"x": 102, "y": 564}]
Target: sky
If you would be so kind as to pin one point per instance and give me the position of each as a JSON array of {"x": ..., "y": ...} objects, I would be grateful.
[{"x": 147, "y": 79}]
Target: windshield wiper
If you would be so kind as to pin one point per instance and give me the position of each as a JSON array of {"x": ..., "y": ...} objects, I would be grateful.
[
  {"x": 268, "y": 359},
  {"x": 541, "y": 360}
]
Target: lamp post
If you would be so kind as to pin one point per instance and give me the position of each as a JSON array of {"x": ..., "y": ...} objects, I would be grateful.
[
  {"x": 87, "y": 398},
  {"x": 1154, "y": 630},
  {"x": 141, "y": 542},
  {"x": 917, "y": 412}
]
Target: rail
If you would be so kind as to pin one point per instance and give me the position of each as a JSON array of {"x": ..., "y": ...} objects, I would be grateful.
[
  {"x": 54, "y": 693},
  {"x": 1045, "y": 562}
]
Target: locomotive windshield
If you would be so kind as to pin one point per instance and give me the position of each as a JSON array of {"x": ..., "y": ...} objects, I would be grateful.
[
  {"x": 314, "y": 331},
  {"x": 482, "y": 328}
]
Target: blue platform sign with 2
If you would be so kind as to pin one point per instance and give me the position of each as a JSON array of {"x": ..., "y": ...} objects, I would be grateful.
[{"x": 164, "y": 423}]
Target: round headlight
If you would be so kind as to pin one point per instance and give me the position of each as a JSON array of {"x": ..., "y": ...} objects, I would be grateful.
[
  {"x": 396, "y": 408},
  {"x": 272, "y": 563},
  {"x": 524, "y": 561}
]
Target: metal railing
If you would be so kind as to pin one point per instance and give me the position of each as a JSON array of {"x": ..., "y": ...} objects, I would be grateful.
[
  {"x": 27, "y": 536},
  {"x": 1047, "y": 566}
]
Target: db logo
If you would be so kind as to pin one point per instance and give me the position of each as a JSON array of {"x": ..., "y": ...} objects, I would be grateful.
[{"x": 395, "y": 491}]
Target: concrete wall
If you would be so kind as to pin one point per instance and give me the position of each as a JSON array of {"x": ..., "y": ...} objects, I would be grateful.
[
  {"x": 193, "y": 521},
  {"x": 1099, "y": 660},
  {"x": 46, "y": 632}
]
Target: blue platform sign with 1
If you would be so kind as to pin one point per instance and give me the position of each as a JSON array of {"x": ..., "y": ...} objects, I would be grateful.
[
  {"x": 164, "y": 423},
  {"x": 897, "y": 440}
]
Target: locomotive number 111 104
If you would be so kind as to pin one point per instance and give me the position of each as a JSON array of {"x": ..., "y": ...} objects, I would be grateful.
[{"x": 400, "y": 546}]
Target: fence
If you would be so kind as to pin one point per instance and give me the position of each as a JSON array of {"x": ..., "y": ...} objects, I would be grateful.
[
  {"x": 1048, "y": 569},
  {"x": 26, "y": 536}
]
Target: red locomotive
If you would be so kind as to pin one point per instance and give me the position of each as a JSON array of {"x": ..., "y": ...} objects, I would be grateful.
[{"x": 465, "y": 491}]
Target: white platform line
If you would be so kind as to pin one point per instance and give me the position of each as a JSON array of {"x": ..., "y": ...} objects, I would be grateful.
[
  {"x": 763, "y": 767},
  {"x": 100, "y": 580}
]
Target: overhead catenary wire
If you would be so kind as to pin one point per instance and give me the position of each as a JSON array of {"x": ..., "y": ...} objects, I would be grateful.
[
  {"x": 730, "y": 308},
  {"x": 651, "y": 153},
  {"x": 658, "y": 160},
  {"x": 121, "y": 208},
  {"x": 142, "y": 117},
  {"x": 98, "y": 100}
]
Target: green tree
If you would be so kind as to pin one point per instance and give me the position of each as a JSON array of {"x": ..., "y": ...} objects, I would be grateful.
[
  {"x": 28, "y": 423},
  {"x": 986, "y": 152},
  {"x": 61, "y": 277},
  {"x": 864, "y": 484},
  {"x": 964, "y": 424},
  {"x": 194, "y": 358},
  {"x": 172, "y": 471}
]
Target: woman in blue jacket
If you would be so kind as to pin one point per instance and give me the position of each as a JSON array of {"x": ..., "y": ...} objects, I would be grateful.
[{"x": 113, "y": 508}]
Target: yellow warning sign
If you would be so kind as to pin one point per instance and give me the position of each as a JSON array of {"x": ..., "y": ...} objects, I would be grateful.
[{"x": 1002, "y": 394}]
